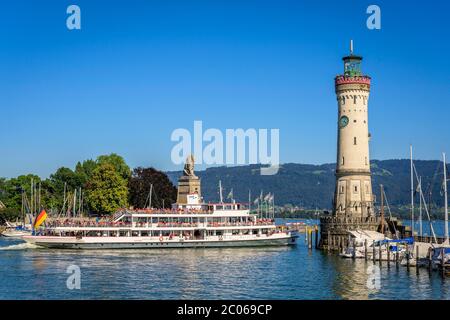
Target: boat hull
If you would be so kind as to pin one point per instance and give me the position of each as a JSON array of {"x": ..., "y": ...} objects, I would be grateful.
[
  {"x": 15, "y": 234},
  {"x": 123, "y": 243}
]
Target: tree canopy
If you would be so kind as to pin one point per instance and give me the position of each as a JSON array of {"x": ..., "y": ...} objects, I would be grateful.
[
  {"x": 164, "y": 192},
  {"x": 106, "y": 190},
  {"x": 117, "y": 162},
  {"x": 103, "y": 183}
]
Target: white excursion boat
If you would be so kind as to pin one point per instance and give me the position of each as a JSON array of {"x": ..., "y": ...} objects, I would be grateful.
[
  {"x": 206, "y": 225},
  {"x": 190, "y": 223}
]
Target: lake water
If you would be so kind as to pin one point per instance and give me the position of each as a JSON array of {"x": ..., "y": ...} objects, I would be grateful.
[{"x": 237, "y": 273}]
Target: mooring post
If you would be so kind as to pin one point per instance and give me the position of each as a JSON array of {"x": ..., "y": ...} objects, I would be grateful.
[
  {"x": 396, "y": 257},
  {"x": 417, "y": 259},
  {"x": 407, "y": 257},
  {"x": 373, "y": 251},
  {"x": 365, "y": 249},
  {"x": 379, "y": 252},
  {"x": 310, "y": 239},
  {"x": 442, "y": 261},
  {"x": 430, "y": 259},
  {"x": 388, "y": 255},
  {"x": 317, "y": 236},
  {"x": 354, "y": 248}
]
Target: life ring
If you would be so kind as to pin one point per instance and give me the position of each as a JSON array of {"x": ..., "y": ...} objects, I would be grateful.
[{"x": 161, "y": 238}]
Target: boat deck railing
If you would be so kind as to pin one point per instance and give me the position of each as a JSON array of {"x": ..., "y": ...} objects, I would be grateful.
[{"x": 123, "y": 224}]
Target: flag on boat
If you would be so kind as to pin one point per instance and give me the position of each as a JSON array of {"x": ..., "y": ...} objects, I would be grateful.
[
  {"x": 267, "y": 197},
  {"x": 230, "y": 195},
  {"x": 40, "y": 219}
]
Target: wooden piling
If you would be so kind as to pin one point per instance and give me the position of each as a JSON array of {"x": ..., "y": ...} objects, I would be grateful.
[
  {"x": 380, "y": 256},
  {"x": 443, "y": 261},
  {"x": 396, "y": 257},
  {"x": 354, "y": 248},
  {"x": 388, "y": 255},
  {"x": 316, "y": 237},
  {"x": 373, "y": 251},
  {"x": 430, "y": 259},
  {"x": 407, "y": 257},
  {"x": 417, "y": 259},
  {"x": 308, "y": 236},
  {"x": 365, "y": 249}
]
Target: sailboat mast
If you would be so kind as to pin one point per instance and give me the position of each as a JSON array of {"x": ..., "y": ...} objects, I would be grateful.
[
  {"x": 23, "y": 208},
  {"x": 220, "y": 191},
  {"x": 31, "y": 197},
  {"x": 412, "y": 191},
  {"x": 273, "y": 206},
  {"x": 39, "y": 197},
  {"x": 64, "y": 200},
  {"x": 74, "y": 209},
  {"x": 151, "y": 192},
  {"x": 382, "y": 208},
  {"x": 445, "y": 200},
  {"x": 420, "y": 207}
]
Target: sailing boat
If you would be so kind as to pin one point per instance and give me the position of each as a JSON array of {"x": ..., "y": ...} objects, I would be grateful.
[
  {"x": 441, "y": 254},
  {"x": 18, "y": 230}
]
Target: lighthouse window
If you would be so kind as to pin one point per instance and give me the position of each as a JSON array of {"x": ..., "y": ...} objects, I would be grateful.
[
  {"x": 356, "y": 189},
  {"x": 343, "y": 100},
  {"x": 366, "y": 161},
  {"x": 354, "y": 99},
  {"x": 354, "y": 141},
  {"x": 343, "y": 161}
]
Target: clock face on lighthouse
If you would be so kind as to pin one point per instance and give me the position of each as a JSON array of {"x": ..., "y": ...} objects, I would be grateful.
[{"x": 343, "y": 121}]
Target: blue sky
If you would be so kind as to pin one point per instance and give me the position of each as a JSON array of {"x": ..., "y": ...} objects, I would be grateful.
[{"x": 137, "y": 70}]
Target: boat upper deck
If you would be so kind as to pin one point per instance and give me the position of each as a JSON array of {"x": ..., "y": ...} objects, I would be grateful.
[{"x": 179, "y": 211}]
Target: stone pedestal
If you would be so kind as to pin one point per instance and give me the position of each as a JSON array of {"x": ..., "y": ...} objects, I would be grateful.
[{"x": 188, "y": 185}]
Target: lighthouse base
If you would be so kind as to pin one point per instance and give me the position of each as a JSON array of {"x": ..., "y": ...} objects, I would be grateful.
[{"x": 334, "y": 231}]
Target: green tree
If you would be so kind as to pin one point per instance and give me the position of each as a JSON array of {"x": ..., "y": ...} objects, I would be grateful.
[
  {"x": 11, "y": 194},
  {"x": 164, "y": 192},
  {"x": 84, "y": 169},
  {"x": 117, "y": 162},
  {"x": 55, "y": 185},
  {"x": 106, "y": 190},
  {"x": 2, "y": 189},
  {"x": 14, "y": 188}
]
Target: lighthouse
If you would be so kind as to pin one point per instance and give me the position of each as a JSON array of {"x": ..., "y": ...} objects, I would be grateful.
[
  {"x": 353, "y": 203},
  {"x": 353, "y": 193}
]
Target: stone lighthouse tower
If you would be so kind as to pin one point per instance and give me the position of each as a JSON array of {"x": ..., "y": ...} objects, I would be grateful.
[
  {"x": 353, "y": 194},
  {"x": 353, "y": 199}
]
